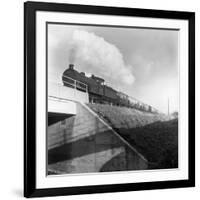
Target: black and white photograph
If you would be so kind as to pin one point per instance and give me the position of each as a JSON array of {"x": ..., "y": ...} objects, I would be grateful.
[
  {"x": 113, "y": 98},
  {"x": 110, "y": 99}
]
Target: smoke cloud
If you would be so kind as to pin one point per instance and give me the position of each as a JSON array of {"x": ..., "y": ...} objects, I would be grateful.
[
  {"x": 72, "y": 53},
  {"x": 96, "y": 54}
]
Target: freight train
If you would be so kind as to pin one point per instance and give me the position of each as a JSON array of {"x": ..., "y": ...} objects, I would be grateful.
[{"x": 99, "y": 92}]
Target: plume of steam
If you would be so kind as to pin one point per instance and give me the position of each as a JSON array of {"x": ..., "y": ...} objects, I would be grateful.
[
  {"x": 97, "y": 55},
  {"x": 72, "y": 53}
]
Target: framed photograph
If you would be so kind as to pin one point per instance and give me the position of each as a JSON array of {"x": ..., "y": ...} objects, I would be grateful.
[{"x": 109, "y": 99}]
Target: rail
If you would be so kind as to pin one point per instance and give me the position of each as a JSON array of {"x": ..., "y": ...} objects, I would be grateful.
[
  {"x": 64, "y": 100},
  {"x": 75, "y": 84}
]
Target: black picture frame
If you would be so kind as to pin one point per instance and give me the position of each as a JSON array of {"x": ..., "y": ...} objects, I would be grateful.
[{"x": 30, "y": 9}]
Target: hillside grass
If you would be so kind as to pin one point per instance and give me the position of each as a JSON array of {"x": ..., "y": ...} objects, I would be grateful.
[
  {"x": 158, "y": 142},
  {"x": 123, "y": 117},
  {"x": 154, "y": 137}
]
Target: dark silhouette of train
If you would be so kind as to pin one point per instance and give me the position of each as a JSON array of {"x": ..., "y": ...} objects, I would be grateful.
[{"x": 99, "y": 92}]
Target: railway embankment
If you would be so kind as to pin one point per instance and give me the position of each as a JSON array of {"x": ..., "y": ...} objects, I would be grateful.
[{"x": 152, "y": 134}]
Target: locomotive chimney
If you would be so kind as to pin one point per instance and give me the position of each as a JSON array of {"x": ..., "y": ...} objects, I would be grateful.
[{"x": 71, "y": 66}]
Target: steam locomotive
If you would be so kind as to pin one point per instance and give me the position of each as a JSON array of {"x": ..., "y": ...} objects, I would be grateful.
[{"x": 99, "y": 92}]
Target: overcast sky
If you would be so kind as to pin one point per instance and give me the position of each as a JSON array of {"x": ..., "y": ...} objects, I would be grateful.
[{"x": 142, "y": 63}]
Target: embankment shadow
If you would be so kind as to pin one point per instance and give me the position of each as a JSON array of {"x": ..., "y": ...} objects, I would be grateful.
[
  {"x": 158, "y": 142},
  {"x": 53, "y": 118},
  {"x": 84, "y": 146}
]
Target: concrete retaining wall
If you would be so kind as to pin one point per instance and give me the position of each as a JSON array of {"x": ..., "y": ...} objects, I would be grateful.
[{"x": 84, "y": 143}]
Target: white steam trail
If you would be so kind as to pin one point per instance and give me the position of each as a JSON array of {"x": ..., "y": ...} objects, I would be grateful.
[{"x": 93, "y": 51}]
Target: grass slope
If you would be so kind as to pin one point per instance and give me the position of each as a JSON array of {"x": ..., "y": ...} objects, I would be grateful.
[
  {"x": 158, "y": 142},
  {"x": 150, "y": 134}
]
